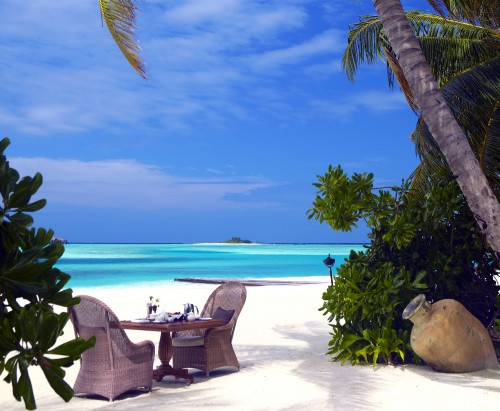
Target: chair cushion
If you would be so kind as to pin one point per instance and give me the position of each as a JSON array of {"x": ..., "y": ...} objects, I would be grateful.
[
  {"x": 193, "y": 341},
  {"x": 222, "y": 314}
]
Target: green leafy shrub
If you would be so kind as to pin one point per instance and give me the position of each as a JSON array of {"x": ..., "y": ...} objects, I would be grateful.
[
  {"x": 29, "y": 288},
  {"x": 418, "y": 244}
]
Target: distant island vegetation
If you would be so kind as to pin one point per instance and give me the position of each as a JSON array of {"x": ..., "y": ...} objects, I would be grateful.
[
  {"x": 237, "y": 240},
  {"x": 61, "y": 240}
]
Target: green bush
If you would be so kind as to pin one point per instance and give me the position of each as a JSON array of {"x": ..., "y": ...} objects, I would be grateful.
[
  {"x": 428, "y": 244},
  {"x": 29, "y": 288}
]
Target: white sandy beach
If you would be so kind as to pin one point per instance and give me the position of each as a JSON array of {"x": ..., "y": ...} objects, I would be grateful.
[{"x": 280, "y": 339}]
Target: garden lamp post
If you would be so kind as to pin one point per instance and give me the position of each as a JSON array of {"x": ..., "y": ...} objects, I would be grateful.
[{"x": 329, "y": 261}]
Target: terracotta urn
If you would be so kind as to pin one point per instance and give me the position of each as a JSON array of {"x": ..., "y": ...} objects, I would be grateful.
[{"x": 448, "y": 337}]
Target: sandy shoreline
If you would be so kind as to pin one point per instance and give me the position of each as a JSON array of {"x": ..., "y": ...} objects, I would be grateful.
[{"x": 281, "y": 339}]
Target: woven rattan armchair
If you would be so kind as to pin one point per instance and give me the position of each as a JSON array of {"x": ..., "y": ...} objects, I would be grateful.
[
  {"x": 212, "y": 348},
  {"x": 115, "y": 364}
]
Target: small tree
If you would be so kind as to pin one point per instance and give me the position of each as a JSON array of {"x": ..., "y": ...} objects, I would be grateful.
[
  {"x": 29, "y": 288},
  {"x": 430, "y": 245}
]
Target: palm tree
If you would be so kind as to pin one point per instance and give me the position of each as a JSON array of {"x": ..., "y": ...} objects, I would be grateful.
[
  {"x": 120, "y": 17},
  {"x": 440, "y": 120},
  {"x": 465, "y": 60}
]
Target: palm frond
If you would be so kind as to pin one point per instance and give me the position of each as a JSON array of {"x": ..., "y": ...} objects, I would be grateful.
[
  {"x": 432, "y": 162},
  {"x": 465, "y": 60},
  {"x": 427, "y": 148},
  {"x": 490, "y": 151},
  {"x": 449, "y": 56},
  {"x": 451, "y": 46},
  {"x": 440, "y": 6},
  {"x": 364, "y": 45},
  {"x": 482, "y": 12},
  {"x": 422, "y": 179},
  {"x": 448, "y": 45},
  {"x": 474, "y": 86},
  {"x": 473, "y": 97},
  {"x": 426, "y": 23},
  {"x": 120, "y": 18},
  {"x": 395, "y": 70}
]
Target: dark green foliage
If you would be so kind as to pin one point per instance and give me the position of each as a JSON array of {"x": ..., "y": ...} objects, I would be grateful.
[
  {"x": 29, "y": 287},
  {"x": 427, "y": 244},
  {"x": 237, "y": 240},
  {"x": 425, "y": 240}
]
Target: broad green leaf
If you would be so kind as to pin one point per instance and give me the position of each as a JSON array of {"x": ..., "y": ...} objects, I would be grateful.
[
  {"x": 376, "y": 353},
  {"x": 73, "y": 348},
  {"x": 54, "y": 376},
  {"x": 36, "y": 183},
  {"x": 49, "y": 331},
  {"x": 29, "y": 288},
  {"x": 20, "y": 197},
  {"x": 34, "y": 206},
  {"x": 4, "y": 143},
  {"x": 21, "y": 219},
  {"x": 26, "y": 390},
  {"x": 63, "y": 298},
  {"x": 28, "y": 323}
]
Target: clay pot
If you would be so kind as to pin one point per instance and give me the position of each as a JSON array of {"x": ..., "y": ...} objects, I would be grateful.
[{"x": 448, "y": 337}]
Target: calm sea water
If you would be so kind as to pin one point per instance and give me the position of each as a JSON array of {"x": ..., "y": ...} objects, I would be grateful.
[{"x": 95, "y": 265}]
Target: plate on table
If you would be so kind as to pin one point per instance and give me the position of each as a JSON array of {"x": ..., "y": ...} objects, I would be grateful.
[
  {"x": 204, "y": 318},
  {"x": 140, "y": 320}
]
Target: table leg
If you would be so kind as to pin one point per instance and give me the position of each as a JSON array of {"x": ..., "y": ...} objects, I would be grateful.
[{"x": 165, "y": 355}]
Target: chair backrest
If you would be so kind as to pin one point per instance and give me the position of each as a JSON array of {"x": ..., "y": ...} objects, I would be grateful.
[
  {"x": 92, "y": 317},
  {"x": 229, "y": 296}
]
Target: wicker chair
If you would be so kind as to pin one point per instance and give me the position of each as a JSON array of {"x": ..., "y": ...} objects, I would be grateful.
[
  {"x": 212, "y": 348},
  {"x": 115, "y": 364}
]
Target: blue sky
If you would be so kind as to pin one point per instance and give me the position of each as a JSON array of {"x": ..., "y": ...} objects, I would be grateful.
[{"x": 245, "y": 105}]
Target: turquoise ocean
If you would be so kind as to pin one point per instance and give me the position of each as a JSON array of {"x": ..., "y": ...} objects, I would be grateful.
[{"x": 101, "y": 265}]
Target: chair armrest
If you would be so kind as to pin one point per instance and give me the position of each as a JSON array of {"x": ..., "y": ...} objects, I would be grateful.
[
  {"x": 144, "y": 344},
  {"x": 218, "y": 332}
]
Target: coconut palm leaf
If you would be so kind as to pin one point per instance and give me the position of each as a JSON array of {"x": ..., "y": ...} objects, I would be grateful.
[
  {"x": 448, "y": 45},
  {"x": 474, "y": 97},
  {"x": 464, "y": 58},
  {"x": 364, "y": 45},
  {"x": 491, "y": 151},
  {"x": 433, "y": 162},
  {"x": 394, "y": 70},
  {"x": 120, "y": 17},
  {"x": 427, "y": 149},
  {"x": 485, "y": 13},
  {"x": 452, "y": 46}
]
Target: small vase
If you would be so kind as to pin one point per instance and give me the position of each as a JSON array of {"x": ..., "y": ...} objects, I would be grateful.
[{"x": 448, "y": 337}]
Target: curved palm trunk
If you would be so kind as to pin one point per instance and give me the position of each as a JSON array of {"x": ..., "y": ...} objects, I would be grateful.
[{"x": 439, "y": 118}]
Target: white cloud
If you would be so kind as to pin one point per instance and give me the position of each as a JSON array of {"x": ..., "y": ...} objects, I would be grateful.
[
  {"x": 214, "y": 171},
  {"x": 244, "y": 19},
  {"x": 325, "y": 43},
  {"x": 40, "y": 119},
  {"x": 380, "y": 101},
  {"x": 325, "y": 69},
  {"x": 372, "y": 101},
  {"x": 195, "y": 12},
  {"x": 63, "y": 73},
  {"x": 128, "y": 184}
]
